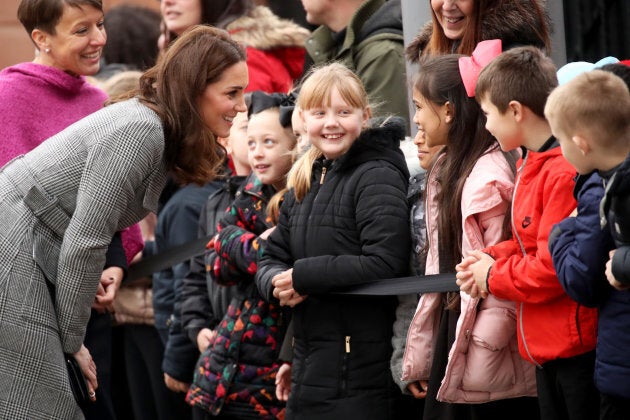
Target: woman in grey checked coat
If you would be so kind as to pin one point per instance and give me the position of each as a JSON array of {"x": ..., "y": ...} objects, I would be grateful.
[{"x": 62, "y": 202}]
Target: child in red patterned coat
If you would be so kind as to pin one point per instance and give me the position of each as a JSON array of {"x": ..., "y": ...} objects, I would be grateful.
[{"x": 235, "y": 376}]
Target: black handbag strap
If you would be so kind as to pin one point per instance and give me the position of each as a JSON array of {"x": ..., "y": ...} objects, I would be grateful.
[
  {"x": 168, "y": 258},
  {"x": 435, "y": 283}
]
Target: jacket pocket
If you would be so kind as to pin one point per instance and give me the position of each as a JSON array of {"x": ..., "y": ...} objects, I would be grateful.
[
  {"x": 38, "y": 305},
  {"x": 489, "y": 362},
  {"x": 48, "y": 230}
]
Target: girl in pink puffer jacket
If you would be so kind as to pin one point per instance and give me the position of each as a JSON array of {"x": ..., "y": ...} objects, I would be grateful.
[{"x": 461, "y": 353}]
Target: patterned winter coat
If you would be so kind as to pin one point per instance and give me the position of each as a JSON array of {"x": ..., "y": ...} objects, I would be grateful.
[
  {"x": 236, "y": 374},
  {"x": 61, "y": 204}
]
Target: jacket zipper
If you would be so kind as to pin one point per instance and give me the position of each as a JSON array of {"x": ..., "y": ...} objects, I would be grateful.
[
  {"x": 344, "y": 367},
  {"x": 520, "y": 243},
  {"x": 321, "y": 179}
]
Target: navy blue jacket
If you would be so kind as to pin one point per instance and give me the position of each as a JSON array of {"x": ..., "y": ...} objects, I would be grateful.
[
  {"x": 616, "y": 208},
  {"x": 177, "y": 224},
  {"x": 579, "y": 249}
]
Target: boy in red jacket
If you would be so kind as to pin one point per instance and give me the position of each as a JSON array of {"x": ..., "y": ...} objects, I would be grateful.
[{"x": 554, "y": 332}]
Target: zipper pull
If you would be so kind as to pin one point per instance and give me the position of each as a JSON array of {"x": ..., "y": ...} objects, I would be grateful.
[
  {"x": 321, "y": 180},
  {"x": 347, "y": 344}
]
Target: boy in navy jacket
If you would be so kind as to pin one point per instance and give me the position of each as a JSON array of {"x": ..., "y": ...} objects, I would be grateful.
[{"x": 590, "y": 116}]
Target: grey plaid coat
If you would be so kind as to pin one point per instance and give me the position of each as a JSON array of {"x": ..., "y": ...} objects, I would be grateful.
[{"x": 60, "y": 205}]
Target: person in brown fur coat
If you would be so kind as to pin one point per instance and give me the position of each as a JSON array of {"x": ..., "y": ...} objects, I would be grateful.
[{"x": 457, "y": 26}]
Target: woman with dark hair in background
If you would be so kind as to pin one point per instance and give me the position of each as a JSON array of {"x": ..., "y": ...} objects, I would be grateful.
[{"x": 275, "y": 46}]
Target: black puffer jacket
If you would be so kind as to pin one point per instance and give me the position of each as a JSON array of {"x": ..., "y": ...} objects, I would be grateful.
[
  {"x": 514, "y": 24},
  {"x": 616, "y": 207},
  {"x": 353, "y": 228}
]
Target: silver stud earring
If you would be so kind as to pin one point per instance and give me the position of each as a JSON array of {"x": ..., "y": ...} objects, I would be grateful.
[{"x": 47, "y": 50}]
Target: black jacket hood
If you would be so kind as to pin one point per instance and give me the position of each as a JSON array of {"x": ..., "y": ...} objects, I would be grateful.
[{"x": 380, "y": 142}]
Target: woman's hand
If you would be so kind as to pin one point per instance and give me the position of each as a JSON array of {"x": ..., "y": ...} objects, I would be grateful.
[
  {"x": 283, "y": 382},
  {"x": 107, "y": 289},
  {"x": 88, "y": 367},
  {"x": 175, "y": 385},
  {"x": 205, "y": 338}
]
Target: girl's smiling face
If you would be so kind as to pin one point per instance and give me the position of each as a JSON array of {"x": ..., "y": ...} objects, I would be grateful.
[
  {"x": 270, "y": 147},
  {"x": 432, "y": 119},
  {"x": 333, "y": 129}
]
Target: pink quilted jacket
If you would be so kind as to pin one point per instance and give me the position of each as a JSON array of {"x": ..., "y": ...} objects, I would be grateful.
[{"x": 484, "y": 363}]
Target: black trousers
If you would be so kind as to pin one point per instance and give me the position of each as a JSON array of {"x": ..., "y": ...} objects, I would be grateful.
[
  {"x": 614, "y": 408},
  {"x": 98, "y": 340},
  {"x": 150, "y": 398},
  {"x": 566, "y": 389}
]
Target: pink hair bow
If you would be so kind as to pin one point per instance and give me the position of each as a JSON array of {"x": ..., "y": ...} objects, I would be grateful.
[{"x": 470, "y": 67}]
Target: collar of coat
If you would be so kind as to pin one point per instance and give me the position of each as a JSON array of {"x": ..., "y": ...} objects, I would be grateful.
[
  {"x": 513, "y": 26},
  {"x": 379, "y": 142},
  {"x": 620, "y": 183},
  {"x": 263, "y": 30}
]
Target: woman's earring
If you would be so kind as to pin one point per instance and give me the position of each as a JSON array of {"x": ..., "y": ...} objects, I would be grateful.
[{"x": 47, "y": 50}]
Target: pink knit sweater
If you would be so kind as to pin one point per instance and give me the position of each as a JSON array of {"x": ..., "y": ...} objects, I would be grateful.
[{"x": 37, "y": 102}]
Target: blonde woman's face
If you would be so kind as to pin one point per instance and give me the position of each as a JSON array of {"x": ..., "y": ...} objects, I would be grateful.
[
  {"x": 179, "y": 15},
  {"x": 453, "y": 16}
]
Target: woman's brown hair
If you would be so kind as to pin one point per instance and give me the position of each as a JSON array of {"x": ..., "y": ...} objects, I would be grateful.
[{"x": 171, "y": 88}]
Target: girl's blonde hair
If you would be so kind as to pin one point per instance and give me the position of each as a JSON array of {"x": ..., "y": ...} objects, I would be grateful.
[{"x": 316, "y": 92}]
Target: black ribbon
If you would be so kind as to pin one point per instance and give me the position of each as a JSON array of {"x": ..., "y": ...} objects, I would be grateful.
[{"x": 261, "y": 101}]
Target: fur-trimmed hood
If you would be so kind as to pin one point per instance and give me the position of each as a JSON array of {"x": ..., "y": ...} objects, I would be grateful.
[
  {"x": 381, "y": 141},
  {"x": 504, "y": 22},
  {"x": 263, "y": 30}
]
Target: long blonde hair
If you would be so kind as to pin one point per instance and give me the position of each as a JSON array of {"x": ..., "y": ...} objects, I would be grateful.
[{"x": 316, "y": 92}]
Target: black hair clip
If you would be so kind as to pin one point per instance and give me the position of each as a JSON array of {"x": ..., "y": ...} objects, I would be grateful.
[{"x": 261, "y": 101}]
